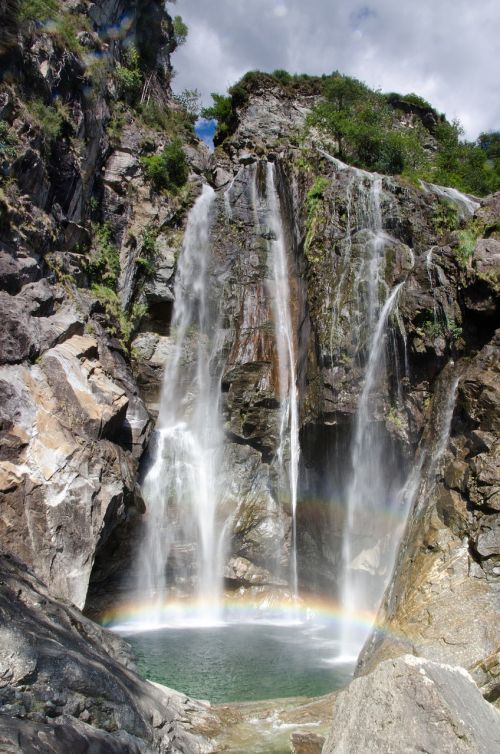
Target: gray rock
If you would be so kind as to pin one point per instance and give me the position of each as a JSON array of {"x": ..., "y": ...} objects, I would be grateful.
[
  {"x": 55, "y": 659},
  {"x": 413, "y": 705}
]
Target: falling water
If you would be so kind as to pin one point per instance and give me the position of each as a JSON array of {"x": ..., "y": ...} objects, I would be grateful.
[
  {"x": 289, "y": 417},
  {"x": 368, "y": 545},
  {"x": 363, "y": 212},
  {"x": 369, "y": 492},
  {"x": 465, "y": 205},
  {"x": 182, "y": 487}
]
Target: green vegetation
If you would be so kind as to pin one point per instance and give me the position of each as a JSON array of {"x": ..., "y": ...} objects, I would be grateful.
[
  {"x": 64, "y": 25},
  {"x": 148, "y": 251},
  {"x": 125, "y": 324},
  {"x": 129, "y": 76},
  {"x": 314, "y": 214},
  {"x": 433, "y": 329},
  {"x": 103, "y": 265},
  {"x": 48, "y": 118},
  {"x": 454, "y": 329},
  {"x": 39, "y": 11},
  {"x": 394, "y": 417},
  {"x": 362, "y": 122},
  {"x": 8, "y": 141},
  {"x": 161, "y": 118},
  {"x": 180, "y": 30},
  {"x": 445, "y": 217},
  {"x": 167, "y": 170},
  {"x": 367, "y": 128},
  {"x": 467, "y": 239},
  {"x": 411, "y": 101},
  {"x": 223, "y": 112},
  {"x": 103, "y": 269}
]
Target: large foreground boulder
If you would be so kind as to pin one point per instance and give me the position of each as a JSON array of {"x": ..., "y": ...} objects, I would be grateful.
[
  {"x": 413, "y": 705},
  {"x": 68, "y": 686}
]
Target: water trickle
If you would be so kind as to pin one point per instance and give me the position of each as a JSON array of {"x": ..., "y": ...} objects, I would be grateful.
[
  {"x": 285, "y": 343},
  {"x": 465, "y": 205},
  {"x": 182, "y": 487}
]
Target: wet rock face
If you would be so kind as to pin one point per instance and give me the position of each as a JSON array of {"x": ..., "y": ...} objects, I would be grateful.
[
  {"x": 86, "y": 696},
  {"x": 412, "y": 705},
  {"x": 449, "y": 556}
]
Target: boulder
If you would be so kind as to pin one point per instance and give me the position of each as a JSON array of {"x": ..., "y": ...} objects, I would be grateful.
[
  {"x": 67, "y": 685},
  {"x": 413, "y": 705}
]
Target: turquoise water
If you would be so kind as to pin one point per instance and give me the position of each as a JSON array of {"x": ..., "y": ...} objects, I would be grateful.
[{"x": 242, "y": 662}]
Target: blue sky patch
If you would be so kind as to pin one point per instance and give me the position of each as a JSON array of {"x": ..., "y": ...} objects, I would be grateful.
[{"x": 205, "y": 129}]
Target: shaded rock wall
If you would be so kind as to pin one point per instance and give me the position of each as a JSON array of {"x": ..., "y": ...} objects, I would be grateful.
[{"x": 69, "y": 685}]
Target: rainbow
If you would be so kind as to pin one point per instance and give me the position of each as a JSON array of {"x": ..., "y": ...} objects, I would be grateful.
[{"x": 139, "y": 616}]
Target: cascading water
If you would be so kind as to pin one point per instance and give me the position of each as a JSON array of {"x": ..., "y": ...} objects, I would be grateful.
[
  {"x": 285, "y": 343},
  {"x": 362, "y": 305},
  {"x": 369, "y": 494},
  {"x": 182, "y": 487}
]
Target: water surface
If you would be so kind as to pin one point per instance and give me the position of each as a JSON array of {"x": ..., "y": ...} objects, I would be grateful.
[{"x": 243, "y": 662}]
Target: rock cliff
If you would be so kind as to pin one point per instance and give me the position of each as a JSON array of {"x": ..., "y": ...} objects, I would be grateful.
[
  {"x": 79, "y": 222},
  {"x": 88, "y": 258}
]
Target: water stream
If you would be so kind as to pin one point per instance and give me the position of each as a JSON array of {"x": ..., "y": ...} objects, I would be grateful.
[
  {"x": 285, "y": 341},
  {"x": 183, "y": 544}
]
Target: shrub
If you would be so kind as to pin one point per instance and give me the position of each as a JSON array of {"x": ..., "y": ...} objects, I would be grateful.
[
  {"x": 66, "y": 28},
  {"x": 180, "y": 30},
  {"x": 315, "y": 197},
  {"x": 167, "y": 170},
  {"x": 122, "y": 324},
  {"x": 37, "y": 10},
  {"x": 103, "y": 266},
  {"x": 48, "y": 118},
  {"x": 161, "y": 118},
  {"x": 148, "y": 250},
  {"x": 8, "y": 141},
  {"x": 222, "y": 110},
  {"x": 129, "y": 76},
  {"x": 64, "y": 25},
  {"x": 467, "y": 239}
]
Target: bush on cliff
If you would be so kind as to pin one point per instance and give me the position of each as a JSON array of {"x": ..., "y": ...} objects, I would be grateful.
[{"x": 167, "y": 170}]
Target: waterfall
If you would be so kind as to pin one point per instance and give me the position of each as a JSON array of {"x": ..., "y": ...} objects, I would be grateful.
[
  {"x": 465, "y": 205},
  {"x": 285, "y": 345},
  {"x": 361, "y": 307},
  {"x": 368, "y": 494},
  {"x": 183, "y": 542}
]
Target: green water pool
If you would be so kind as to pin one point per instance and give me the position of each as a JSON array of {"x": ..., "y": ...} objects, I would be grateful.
[{"x": 242, "y": 662}]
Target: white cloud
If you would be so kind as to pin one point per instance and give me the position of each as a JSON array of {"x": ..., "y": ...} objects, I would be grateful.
[
  {"x": 280, "y": 11},
  {"x": 444, "y": 50}
]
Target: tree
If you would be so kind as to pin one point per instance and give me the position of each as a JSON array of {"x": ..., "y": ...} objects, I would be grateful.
[{"x": 180, "y": 31}]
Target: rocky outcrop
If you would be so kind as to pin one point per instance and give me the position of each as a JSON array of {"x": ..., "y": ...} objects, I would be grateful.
[
  {"x": 80, "y": 230},
  {"x": 449, "y": 555},
  {"x": 72, "y": 435},
  {"x": 413, "y": 705},
  {"x": 68, "y": 685}
]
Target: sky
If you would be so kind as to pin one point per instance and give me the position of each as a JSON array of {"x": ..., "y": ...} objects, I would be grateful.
[{"x": 447, "y": 51}]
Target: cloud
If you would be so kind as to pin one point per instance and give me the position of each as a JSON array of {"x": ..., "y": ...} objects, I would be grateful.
[{"x": 444, "y": 50}]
